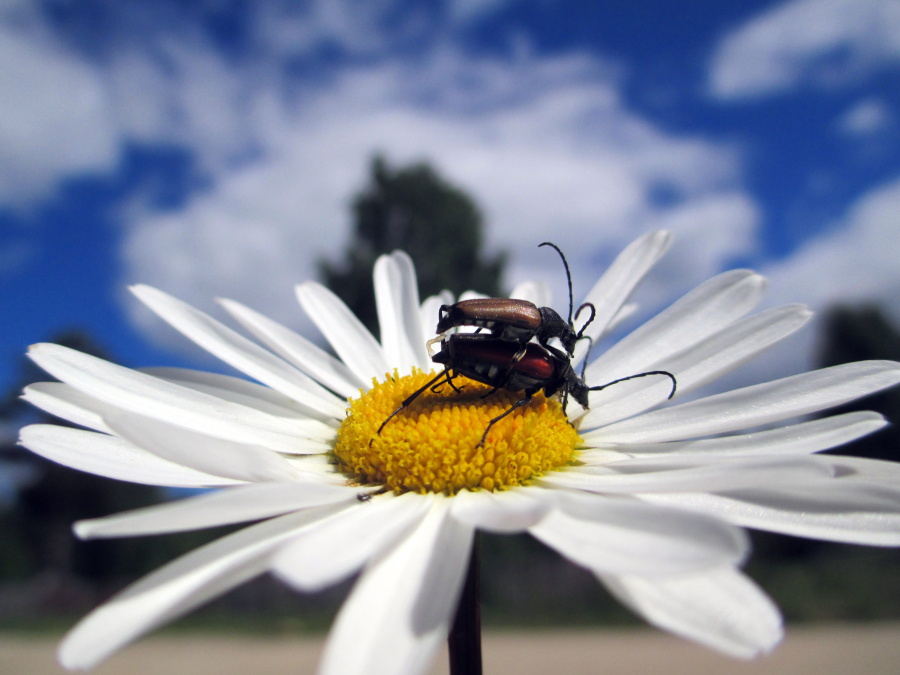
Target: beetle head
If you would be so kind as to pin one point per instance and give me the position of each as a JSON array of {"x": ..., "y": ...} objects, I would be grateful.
[{"x": 577, "y": 389}]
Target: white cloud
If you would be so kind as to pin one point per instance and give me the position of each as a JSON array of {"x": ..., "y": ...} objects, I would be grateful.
[
  {"x": 815, "y": 42},
  {"x": 855, "y": 262},
  {"x": 361, "y": 27},
  {"x": 55, "y": 117},
  {"x": 470, "y": 11},
  {"x": 546, "y": 148},
  {"x": 868, "y": 117}
]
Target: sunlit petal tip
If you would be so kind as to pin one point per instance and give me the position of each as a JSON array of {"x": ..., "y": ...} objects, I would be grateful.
[{"x": 717, "y": 607}]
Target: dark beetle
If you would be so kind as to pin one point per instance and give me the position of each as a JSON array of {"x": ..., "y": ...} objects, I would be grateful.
[
  {"x": 508, "y": 319},
  {"x": 501, "y": 364},
  {"x": 516, "y": 320}
]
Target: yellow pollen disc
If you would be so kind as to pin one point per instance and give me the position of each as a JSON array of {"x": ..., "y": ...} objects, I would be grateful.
[{"x": 432, "y": 444}]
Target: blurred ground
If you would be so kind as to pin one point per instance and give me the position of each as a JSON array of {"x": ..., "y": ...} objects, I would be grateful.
[{"x": 830, "y": 650}]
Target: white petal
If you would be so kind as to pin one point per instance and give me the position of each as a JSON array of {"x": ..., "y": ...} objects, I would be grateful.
[
  {"x": 625, "y": 312},
  {"x": 757, "y": 405},
  {"x": 795, "y": 439},
  {"x": 667, "y": 474},
  {"x": 229, "y": 388},
  {"x": 397, "y": 302},
  {"x": 863, "y": 468},
  {"x": 238, "y": 351},
  {"x": 249, "y": 394},
  {"x": 701, "y": 363},
  {"x": 297, "y": 350},
  {"x": 217, "y": 456},
  {"x": 612, "y": 290},
  {"x": 719, "y": 608},
  {"x": 838, "y": 510},
  {"x": 350, "y": 338},
  {"x": 213, "y": 509},
  {"x": 111, "y": 457},
  {"x": 179, "y": 587},
  {"x": 622, "y": 399},
  {"x": 429, "y": 311},
  {"x": 698, "y": 364},
  {"x": 619, "y": 536},
  {"x": 703, "y": 312},
  {"x": 415, "y": 588},
  {"x": 471, "y": 295},
  {"x": 532, "y": 291},
  {"x": 734, "y": 346},
  {"x": 128, "y": 389},
  {"x": 509, "y": 511},
  {"x": 65, "y": 402},
  {"x": 339, "y": 546}
]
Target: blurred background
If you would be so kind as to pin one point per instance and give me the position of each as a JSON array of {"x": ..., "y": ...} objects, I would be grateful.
[{"x": 232, "y": 149}]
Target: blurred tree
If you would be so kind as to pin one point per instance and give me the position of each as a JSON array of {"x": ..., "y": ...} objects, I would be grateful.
[
  {"x": 413, "y": 209},
  {"x": 38, "y": 539},
  {"x": 858, "y": 333},
  {"x": 818, "y": 580}
]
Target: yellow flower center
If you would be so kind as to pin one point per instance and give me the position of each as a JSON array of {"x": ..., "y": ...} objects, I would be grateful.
[{"x": 432, "y": 445}]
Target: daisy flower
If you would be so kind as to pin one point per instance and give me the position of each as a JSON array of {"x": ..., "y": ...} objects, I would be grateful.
[{"x": 648, "y": 494}]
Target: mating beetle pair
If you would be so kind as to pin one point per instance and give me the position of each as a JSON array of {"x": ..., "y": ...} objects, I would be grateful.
[
  {"x": 507, "y": 358},
  {"x": 517, "y": 321}
]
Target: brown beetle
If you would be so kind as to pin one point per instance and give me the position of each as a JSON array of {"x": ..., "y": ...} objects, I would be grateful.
[{"x": 517, "y": 321}]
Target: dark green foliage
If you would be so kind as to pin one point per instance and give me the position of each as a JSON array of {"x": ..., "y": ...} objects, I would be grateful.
[
  {"x": 37, "y": 525},
  {"x": 412, "y": 208},
  {"x": 858, "y": 334},
  {"x": 815, "y": 580}
]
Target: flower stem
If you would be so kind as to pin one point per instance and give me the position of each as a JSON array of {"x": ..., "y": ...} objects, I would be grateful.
[{"x": 464, "y": 641}]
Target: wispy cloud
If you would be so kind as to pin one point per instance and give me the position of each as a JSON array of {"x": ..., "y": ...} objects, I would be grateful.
[
  {"x": 867, "y": 118},
  {"x": 855, "y": 261},
  {"x": 806, "y": 43},
  {"x": 55, "y": 117}
]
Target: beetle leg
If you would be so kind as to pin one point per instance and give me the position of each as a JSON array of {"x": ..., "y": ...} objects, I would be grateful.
[
  {"x": 412, "y": 397},
  {"x": 584, "y": 361},
  {"x": 560, "y": 354},
  {"x": 428, "y": 344},
  {"x": 512, "y": 363},
  {"x": 517, "y": 404},
  {"x": 453, "y": 386},
  {"x": 436, "y": 389},
  {"x": 491, "y": 392}
]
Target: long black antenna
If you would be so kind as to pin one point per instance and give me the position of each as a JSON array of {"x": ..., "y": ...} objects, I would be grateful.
[{"x": 568, "y": 274}]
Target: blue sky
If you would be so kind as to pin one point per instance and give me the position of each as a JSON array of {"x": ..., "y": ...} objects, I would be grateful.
[{"x": 211, "y": 148}]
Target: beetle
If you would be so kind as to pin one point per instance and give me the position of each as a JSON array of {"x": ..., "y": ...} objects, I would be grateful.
[
  {"x": 517, "y": 321},
  {"x": 501, "y": 364}
]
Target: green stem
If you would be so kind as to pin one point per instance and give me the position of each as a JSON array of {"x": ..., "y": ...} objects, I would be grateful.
[{"x": 464, "y": 641}]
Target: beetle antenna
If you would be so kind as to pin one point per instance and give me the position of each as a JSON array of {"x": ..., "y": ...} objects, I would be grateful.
[
  {"x": 568, "y": 274},
  {"x": 589, "y": 305},
  {"x": 631, "y": 377}
]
